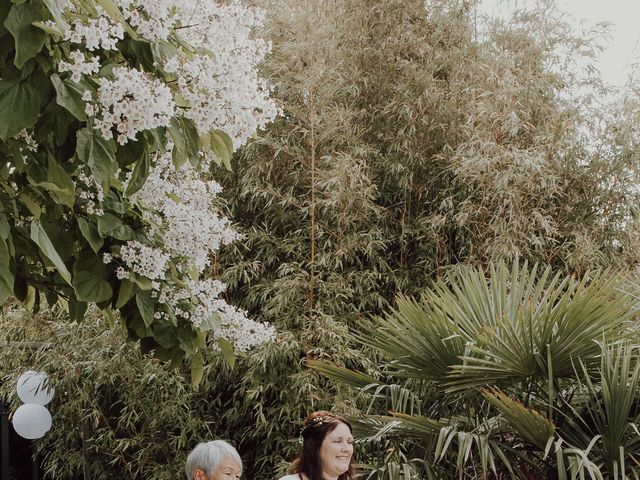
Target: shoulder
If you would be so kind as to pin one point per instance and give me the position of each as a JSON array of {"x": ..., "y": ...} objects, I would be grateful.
[{"x": 291, "y": 477}]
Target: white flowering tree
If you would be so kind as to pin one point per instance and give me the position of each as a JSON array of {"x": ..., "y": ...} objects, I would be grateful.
[{"x": 110, "y": 113}]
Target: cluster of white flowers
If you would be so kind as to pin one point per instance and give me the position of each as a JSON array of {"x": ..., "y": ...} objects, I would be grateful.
[
  {"x": 224, "y": 90},
  {"x": 217, "y": 87},
  {"x": 28, "y": 139},
  {"x": 242, "y": 332},
  {"x": 81, "y": 65},
  {"x": 90, "y": 194},
  {"x": 96, "y": 33},
  {"x": 235, "y": 327},
  {"x": 152, "y": 19},
  {"x": 133, "y": 102},
  {"x": 143, "y": 260},
  {"x": 192, "y": 228}
]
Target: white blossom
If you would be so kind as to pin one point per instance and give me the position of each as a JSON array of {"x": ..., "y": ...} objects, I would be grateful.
[
  {"x": 241, "y": 331},
  {"x": 133, "y": 102},
  {"x": 82, "y": 65},
  {"x": 222, "y": 89},
  {"x": 96, "y": 33},
  {"x": 192, "y": 231},
  {"x": 28, "y": 139},
  {"x": 144, "y": 260},
  {"x": 152, "y": 19},
  {"x": 89, "y": 194},
  {"x": 121, "y": 273},
  {"x": 217, "y": 87},
  {"x": 192, "y": 228}
]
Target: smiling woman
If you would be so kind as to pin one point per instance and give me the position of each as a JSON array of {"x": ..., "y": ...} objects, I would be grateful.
[
  {"x": 327, "y": 449},
  {"x": 215, "y": 460}
]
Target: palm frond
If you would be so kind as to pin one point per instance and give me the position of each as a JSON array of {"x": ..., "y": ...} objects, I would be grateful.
[
  {"x": 610, "y": 412},
  {"x": 534, "y": 427},
  {"x": 393, "y": 396}
]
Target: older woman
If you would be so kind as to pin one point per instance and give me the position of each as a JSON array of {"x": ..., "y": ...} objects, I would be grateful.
[
  {"x": 327, "y": 449},
  {"x": 215, "y": 460}
]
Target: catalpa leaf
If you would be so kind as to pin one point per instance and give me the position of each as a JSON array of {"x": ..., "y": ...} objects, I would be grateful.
[
  {"x": 29, "y": 40},
  {"x": 40, "y": 237}
]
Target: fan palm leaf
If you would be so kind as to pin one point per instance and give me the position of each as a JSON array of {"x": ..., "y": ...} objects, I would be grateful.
[
  {"x": 609, "y": 414},
  {"x": 473, "y": 330}
]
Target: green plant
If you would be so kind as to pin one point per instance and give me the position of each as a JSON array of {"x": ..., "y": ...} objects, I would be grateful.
[
  {"x": 519, "y": 372},
  {"x": 108, "y": 121}
]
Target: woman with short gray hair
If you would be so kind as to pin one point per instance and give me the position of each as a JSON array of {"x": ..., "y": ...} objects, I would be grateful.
[{"x": 214, "y": 460}]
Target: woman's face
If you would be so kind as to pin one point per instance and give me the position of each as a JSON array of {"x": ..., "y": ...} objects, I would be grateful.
[
  {"x": 336, "y": 451},
  {"x": 228, "y": 469}
]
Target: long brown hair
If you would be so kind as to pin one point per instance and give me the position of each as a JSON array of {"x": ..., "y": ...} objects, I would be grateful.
[{"x": 316, "y": 427}]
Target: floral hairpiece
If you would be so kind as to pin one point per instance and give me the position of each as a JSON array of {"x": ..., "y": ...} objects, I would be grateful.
[
  {"x": 313, "y": 423},
  {"x": 317, "y": 421}
]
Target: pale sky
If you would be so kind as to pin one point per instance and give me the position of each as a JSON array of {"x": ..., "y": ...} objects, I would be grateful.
[{"x": 624, "y": 15}]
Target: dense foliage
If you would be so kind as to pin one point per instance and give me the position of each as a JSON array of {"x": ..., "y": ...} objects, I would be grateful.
[
  {"x": 521, "y": 373},
  {"x": 111, "y": 112},
  {"x": 117, "y": 413},
  {"x": 410, "y": 142},
  {"x": 414, "y": 138}
]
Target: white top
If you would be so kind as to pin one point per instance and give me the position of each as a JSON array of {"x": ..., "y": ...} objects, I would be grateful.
[{"x": 291, "y": 477}]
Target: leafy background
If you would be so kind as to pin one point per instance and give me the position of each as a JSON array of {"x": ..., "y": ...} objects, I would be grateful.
[{"x": 410, "y": 144}]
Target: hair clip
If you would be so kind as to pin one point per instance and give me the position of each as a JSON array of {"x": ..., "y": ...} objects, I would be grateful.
[{"x": 314, "y": 422}]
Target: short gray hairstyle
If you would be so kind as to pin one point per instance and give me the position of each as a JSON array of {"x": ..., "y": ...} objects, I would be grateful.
[{"x": 208, "y": 455}]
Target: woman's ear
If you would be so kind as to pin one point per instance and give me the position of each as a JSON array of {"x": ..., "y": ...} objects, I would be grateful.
[{"x": 199, "y": 474}]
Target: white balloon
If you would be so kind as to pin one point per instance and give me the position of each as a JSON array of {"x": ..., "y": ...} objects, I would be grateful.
[
  {"x": 31, "y": 421},
  {"x": 31, "y": 388}
]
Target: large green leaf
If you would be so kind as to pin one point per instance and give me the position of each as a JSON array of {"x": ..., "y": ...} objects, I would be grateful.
[
  {"x": 140, "y": 173},
  {"x": 77, "y": 309},
  {"x": 99, "y": 153},
  {"x": 6, "y": 277},
  {"x": 4, "y": 11},
  {"x": 197, "y": 369},
  {"x": 5, "y": 229},
  {"x": 112, "y": 226},
  {"x": 185, "y": 138},
  {"x": 91, "y": 289},
  {"x": 222, "y": 147},
  {"x": 20, "y": 101},
  {"x": 91, "y": 234},
  {"x": 69, "y": 96},
  {"x": 227, "y": 352},
  {"x": 29, "y": 40},
  {"x": 146, "y": 306},
  {"x": 28, "y": 199},
  {"x": 59, "y": 183},
  {"x": 125, "y": 293},
  {"x": 90, "y": 279},
  {"x": 40, "y": 237}
]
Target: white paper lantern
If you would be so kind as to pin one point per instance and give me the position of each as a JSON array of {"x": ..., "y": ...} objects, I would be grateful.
[
  {"x": 31, "y": 421},
  {"x": 31, "y": 388}
]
